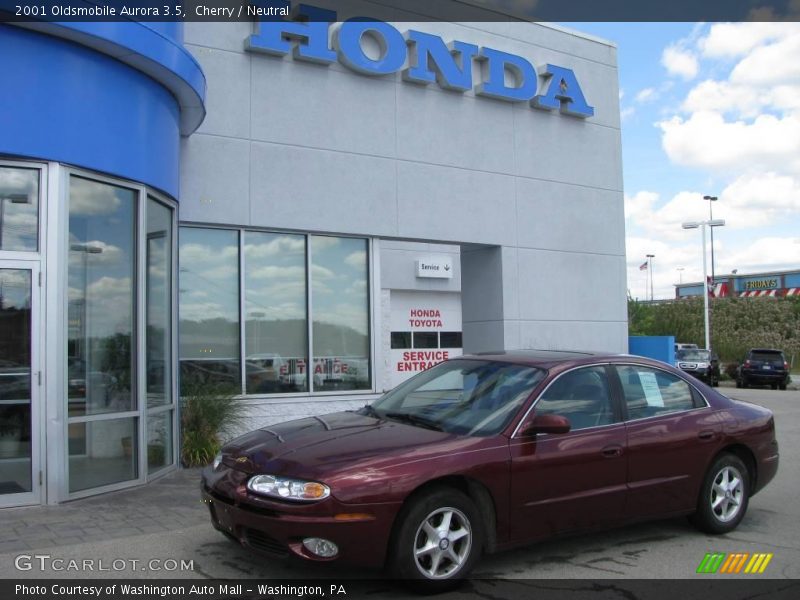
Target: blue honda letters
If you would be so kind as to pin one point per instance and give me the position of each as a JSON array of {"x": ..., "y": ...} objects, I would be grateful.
[{"x": 427, "y": 59}]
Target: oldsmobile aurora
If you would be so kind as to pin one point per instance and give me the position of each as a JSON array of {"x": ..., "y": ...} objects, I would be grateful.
[{"x": 483, "y": 453}]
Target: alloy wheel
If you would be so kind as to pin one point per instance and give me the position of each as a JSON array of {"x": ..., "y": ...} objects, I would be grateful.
[
  {"x": 727, "y": 493},
  {"x": 442, "y": 543}
]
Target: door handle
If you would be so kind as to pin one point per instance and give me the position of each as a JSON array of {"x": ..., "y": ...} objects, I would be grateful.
[
  {"x": 706, "y": 435},
  {"x": 612, "y": 451}
]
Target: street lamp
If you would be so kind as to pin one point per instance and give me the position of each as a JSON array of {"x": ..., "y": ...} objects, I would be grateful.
[
  {"x": 680, "y": 274},
  {"x": 711, "y": 200},
  {"x": 702, "y": 225},
  {"x": 650, "y": 258},
  {"x": 14, "y": 199}
]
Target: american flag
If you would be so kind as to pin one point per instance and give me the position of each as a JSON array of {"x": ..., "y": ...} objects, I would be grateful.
[{"x": 643, "y": 266}]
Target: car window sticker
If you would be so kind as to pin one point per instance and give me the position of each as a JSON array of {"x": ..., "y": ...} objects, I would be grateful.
[{"x": 651, "y": 390}]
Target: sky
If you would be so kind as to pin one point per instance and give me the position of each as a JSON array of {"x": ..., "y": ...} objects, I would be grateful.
[{"x": 708, "y": 109}]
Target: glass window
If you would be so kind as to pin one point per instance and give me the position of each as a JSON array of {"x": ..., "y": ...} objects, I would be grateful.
[
  {"x": 450, "y": 339},
  {"x": 209, "y": 306},
  {"x": 650, "y": 392},
  {"x": 159, "y": 303},
  {"x": 401, "y": 340},
  {"x": 102, "y": 453},
  {"x": 276, "y": 325},
  {"x": 583, "y": 396},
  {"x": 340, "y": 311},
  {"x": 102, "y": 282},
  {"x": 159, "y": 441},
  {"x": 426, "y": 339},
  {"x": 466, "y": 397},
  {"x": 19, "y": 209}
]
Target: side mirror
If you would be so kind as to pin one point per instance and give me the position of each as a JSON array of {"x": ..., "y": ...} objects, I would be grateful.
[{"x": 546, "y": 424}]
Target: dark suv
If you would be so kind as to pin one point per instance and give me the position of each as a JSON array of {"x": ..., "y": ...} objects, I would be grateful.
[
  {"x": 763, "y": 366},
  {"x": 703, "y": 364}
]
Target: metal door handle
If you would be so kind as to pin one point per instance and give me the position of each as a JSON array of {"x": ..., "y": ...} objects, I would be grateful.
[
  {"x": 706, "y": 435},
  {"x": 612, "y": 451}
]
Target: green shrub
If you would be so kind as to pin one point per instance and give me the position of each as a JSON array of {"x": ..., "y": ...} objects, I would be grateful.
[{"x": 209, "y": 412}]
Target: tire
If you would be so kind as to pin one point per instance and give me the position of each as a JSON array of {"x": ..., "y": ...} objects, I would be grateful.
[
  {"x": 744, "y": 383},
  {"x": 719, "y": 513},
  {"x": 782, "y": 386},
  {"x": 444, "y": 561},
  {"x": 774, "y": 386},
  {"x": 738, "y": 383}
]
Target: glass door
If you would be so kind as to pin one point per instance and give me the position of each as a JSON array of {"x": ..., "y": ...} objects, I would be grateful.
[{"x": 19, "y": 384}]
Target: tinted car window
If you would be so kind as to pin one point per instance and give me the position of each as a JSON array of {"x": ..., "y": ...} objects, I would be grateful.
[
  {"x": 651, "y": 392},
  {"x": 692, "y": 354},
  {"x": 767, "y": 356},
  {"x": 582, "y": 396}
]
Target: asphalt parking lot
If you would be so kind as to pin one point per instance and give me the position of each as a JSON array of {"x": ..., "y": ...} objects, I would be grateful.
[{"x": 669, "y": 549}]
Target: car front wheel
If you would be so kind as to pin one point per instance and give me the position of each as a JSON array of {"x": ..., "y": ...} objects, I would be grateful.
[
  {"x": 440, "y": 539},
  {"x": 724, "y": 496}
]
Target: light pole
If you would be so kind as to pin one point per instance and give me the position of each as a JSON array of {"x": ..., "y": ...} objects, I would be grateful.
[
  {"x": 711, "y": 200},
  {"x": 15, "y": 199},
  {"x": 650, "y": 258},
  {"x": 680, "y": 275},
  {"x": 702, "y": 225}
]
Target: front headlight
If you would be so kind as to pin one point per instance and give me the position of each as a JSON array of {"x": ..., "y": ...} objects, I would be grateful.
[
  {"x": 288, "y": 489},
  {"x": 703, "y": 365},
  {"x": 217, "y": 460}
]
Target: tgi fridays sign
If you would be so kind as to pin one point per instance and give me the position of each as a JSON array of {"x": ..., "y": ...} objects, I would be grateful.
[{"x": 423, "y": 312}]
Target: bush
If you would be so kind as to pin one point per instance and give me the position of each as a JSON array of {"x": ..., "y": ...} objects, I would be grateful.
[
  {"x": 208, "y": 413},
  {"x": 730, "y": 369}
]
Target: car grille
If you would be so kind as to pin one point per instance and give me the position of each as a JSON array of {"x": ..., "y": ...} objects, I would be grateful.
[{"x": 263, "y": 543}]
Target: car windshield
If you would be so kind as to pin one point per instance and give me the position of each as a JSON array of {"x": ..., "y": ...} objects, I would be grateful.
[
  {"x": 693, "y": 354},
  {"x": 463, "y": 396}
]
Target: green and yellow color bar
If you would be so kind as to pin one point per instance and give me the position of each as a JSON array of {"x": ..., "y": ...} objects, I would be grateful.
[{"x": 734, "y": 563}]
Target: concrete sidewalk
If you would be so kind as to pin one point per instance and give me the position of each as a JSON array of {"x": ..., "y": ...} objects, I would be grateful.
[{"x": 170, "y": 503}]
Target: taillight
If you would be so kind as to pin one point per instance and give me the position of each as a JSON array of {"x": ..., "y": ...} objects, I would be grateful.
[
  {"x": 786, "y": 365},
  {"x": 747, "y": 363}
]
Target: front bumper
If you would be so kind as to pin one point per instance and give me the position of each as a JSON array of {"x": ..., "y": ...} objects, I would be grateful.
[{"x": 277, "y": 529}]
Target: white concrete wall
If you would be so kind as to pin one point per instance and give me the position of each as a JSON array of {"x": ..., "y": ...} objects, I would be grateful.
[{"x": 293, "y": 145}]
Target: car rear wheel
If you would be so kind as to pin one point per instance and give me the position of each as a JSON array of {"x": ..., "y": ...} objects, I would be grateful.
[
  {"x": 774, "y": 386},
  {"x": 782, "y": 386},
  {"x": 724, "y": 496},
  {"x": 440, "y": 539}
]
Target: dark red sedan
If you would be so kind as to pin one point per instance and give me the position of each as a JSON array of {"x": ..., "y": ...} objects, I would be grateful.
[{"x": 484, "y": 453}]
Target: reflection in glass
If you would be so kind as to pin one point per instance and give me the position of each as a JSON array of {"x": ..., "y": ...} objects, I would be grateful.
[
  {"x": 426, "y": 339},
  {"x": 276, "y": 328},
  {"x": 15, "y": 381},
  {"x": 102, "y": 221},
  {"x": 158, "y": 291},
  {"x": 19, "y": 209},
  {"x": 340, "y": 310},
  {"x": 102, "y": 453},
  {"x": 209, "y": 307},
  {"x": 159, "y": 441}
]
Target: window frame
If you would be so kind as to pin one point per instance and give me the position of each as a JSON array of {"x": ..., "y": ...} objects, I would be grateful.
[
  {"x": 139, "y": 377},
  {"x": 617, "y": 397},
  {"x": 372, "y": 251}
]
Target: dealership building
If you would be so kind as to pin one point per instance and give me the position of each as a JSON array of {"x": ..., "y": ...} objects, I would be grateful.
[{"x": 305, "y": 212}]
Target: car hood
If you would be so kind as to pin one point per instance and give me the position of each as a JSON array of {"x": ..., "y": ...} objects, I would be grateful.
[{"x": 321, "y": 446}]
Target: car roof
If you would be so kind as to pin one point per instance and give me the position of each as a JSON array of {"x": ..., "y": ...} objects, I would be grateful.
[{"x": 545, "y": 358}]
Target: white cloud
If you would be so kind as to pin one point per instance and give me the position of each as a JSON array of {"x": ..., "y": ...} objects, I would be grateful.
[
  {"x": 707, "y": 140},
  {"x": 768, "y": 65},
  {"x": 646, "y": 95},
  {"x": 731, "y": 40},
  {"x": 357, "y": 260},
  {"x": 680, "y": 62}
]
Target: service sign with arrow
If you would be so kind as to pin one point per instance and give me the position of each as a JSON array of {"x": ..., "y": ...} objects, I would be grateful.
[{"x": 440, "y": 267}]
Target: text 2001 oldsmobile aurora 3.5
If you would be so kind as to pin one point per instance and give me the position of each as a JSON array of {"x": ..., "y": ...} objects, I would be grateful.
[{"x": 484, "y": 453}]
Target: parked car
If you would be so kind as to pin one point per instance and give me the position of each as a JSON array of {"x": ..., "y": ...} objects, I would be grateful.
[
  {"x": 703, "y": 364},
  {"x": 489, "y": 452},
  {"x": 682, "y": 346},
  {"x": 763, "y": 366}
]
